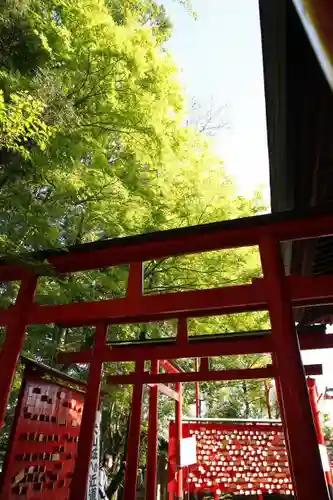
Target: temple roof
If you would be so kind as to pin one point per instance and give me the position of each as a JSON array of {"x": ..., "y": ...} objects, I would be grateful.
[{"x": 299, "y": 110}]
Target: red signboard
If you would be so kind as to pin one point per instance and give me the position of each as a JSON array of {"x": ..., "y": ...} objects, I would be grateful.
[
  {"x": 239, "y": 459},
  {"x": 40, "y": 461}
]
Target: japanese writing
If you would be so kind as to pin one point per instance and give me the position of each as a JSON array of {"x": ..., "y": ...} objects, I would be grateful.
[{"x": 93, "y": 479}]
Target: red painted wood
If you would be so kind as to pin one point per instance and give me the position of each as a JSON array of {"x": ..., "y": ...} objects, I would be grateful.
[
  {"x": 43, "y": 445},
  {"x": 6, "y": 315},
  {"x": 15, "y": 336},
  {"x": 177, "y": 242},
  {"x": 201, "y": 376},
  {"x": 313, "y": 395},
  {"x": 284, "y": 424},
  {"x": 182, "y": 333},
  {"x": 306, "y": 462},
  {"x": 221, "y": 237},
  {"x": 135, "y": 282},
  {"x": 81, "y": 471},
  {"x": 134, "y": 308},
  {"x": 236, "y": 458},
  {"x": 179, "y": 435},
  {"x": 197, "y": 391},
  {"x": 10, "y": 272},
  {"x": 209, "y": 348},
  {"x": 172, "y": 469},
  {"x": 133, "y": 450},
  {"x": 8, "y": 466},
  {"x": 314, "y": 398},
  {"x": 303, "y": 291},
  {"x": 153, "y": 307},
  {"x": 169, "y": 366},
  {"x": 310, "y": 341},
  {"x": 204, "y": 365},
  {"x": 151, "y": 482}
]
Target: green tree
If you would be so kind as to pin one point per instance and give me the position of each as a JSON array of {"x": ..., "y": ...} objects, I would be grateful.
[{"x": 94, "y": 144}]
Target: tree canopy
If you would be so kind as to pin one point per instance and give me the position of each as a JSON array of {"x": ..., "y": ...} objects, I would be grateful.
[{"x": 95, "y": 143}]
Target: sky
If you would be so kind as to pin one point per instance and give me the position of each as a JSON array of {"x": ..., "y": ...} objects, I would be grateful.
[{"x": 220, "y": 60}]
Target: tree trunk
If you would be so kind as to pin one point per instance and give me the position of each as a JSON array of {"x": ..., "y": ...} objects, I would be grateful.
[
  {"x": 246, "y": 399},
  {"x": 118, "y": 479},
  {"x": 268, "y": 405}
]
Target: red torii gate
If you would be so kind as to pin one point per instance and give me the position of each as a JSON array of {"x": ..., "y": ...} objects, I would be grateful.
[
  {"x": 156, "y": 381},
  {"x": 274, "y": 292},
  {"x": 135, "y": 428}
]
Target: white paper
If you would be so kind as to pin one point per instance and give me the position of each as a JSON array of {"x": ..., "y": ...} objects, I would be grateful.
[
  {"x": 324, "y": 458},
  {"x": 188, "y": 451},
  {"x": 93, "y": 478}
]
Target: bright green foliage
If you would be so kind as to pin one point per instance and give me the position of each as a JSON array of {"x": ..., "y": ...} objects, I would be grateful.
[
  {"x": 21, "y": 123},
  {"x": 94, "y": 144},
  {"x": 239, "y": 399}
]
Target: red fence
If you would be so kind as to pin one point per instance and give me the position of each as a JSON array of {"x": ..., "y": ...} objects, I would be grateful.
[{"x": 240, "y": 459}]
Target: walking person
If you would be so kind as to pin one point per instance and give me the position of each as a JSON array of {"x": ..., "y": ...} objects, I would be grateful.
[{"x": 104, "y": 476}]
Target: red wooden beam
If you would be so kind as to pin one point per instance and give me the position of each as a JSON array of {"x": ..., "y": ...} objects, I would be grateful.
[
  {"x": 153, "y": 307},
  {"x": 309, "y": 290},
  {"x": 210, "y": 348},
  {"x": 6, "y": 315},
  {"x": 182, "y": 332},
  {"x": 304, "y": 291},
  {"x": 197, "y": 391},
  {"x": 302, "y": 446},
  {"x": 10, "y": 272},
  {"x": 168, "y": 378},
  {"x": 78, "y": 488},
  {"x": 204, "y": 365},
  {"x": 206, "y": 237},
  {"x": 179, "y": 435},
  {"x": 314, "y": 401},
  {"x": 152, "y": 445},
  {"x": 173, "y": 351},
  {"x": 135, "y": 281},
  {"x": 169, "y": 366},
  {"x": 233, "y": 374},
  {"x": 14, "y": 340},
  {"x": 134, "y": 434},
  {"x": 310, "y": 341}
]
